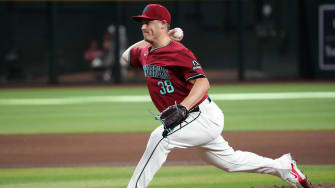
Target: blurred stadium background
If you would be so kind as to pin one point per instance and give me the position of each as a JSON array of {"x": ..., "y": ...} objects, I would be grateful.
[{"x": 45, "y": 42}]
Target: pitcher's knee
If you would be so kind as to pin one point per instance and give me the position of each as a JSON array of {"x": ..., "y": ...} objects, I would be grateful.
[
  {"x": 156, "y": 139},
  {"x": 156, "y": 134}
]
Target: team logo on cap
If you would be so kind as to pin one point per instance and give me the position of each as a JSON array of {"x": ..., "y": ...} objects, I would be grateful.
[{"x": 146, "y": 8}]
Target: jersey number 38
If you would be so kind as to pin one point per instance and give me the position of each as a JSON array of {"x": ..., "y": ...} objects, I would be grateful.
[{"x": 166, "y": 87}]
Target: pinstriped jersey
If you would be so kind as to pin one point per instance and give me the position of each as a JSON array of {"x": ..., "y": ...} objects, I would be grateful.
[{"x": 167, "y": 71}]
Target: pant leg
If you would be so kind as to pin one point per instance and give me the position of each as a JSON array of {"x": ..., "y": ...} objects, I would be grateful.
[
  {"x": 193, "y": 132},
  {"x": 220, "y": 154},
  {"x": 152, "y": 159}
]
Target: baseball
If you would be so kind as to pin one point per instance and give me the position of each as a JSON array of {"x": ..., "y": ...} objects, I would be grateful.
[{"x": 178, "y": 33}]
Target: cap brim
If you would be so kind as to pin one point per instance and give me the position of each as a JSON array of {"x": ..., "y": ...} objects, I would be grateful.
[{"x": 139, "y": 18}]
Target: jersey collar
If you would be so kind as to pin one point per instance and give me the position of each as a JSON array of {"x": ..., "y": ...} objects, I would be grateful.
[{"x": 153, "y": 49}]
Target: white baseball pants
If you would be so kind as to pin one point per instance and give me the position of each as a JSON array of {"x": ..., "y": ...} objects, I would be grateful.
[{"x": 202, "y": 130}]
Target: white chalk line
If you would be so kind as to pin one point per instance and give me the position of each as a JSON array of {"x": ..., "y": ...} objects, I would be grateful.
[{"x": 143, "y": 98}]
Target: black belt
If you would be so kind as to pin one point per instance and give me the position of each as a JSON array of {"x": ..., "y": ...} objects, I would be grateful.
[{"x": 197, "y": 109}]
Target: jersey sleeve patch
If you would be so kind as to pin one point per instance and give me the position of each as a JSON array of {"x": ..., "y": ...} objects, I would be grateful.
[{"x": 196, "y": 65}]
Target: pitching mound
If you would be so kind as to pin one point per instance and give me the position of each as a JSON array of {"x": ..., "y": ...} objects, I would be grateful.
[
  {"x": 308, "y": 147},
  {"x": 323, "y": 185}
]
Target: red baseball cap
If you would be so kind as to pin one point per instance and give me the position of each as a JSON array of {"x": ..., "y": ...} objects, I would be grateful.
[{"x": 154, "y": 12}]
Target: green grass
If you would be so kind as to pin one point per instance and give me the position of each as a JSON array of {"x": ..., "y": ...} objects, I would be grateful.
[
  {"x": 288, "y": 114},
  {"x": 301, "y": 114},
  {"x": 167, "y": 177}
]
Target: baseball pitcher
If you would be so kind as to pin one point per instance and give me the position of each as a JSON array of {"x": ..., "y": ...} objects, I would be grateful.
[{"x": 190, "y": 118}]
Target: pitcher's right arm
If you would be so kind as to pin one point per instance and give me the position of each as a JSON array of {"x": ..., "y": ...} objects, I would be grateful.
[{"x": 140, "y": 44}]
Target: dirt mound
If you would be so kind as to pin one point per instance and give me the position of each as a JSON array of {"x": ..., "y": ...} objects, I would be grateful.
[{"x": 308, "y": 147}]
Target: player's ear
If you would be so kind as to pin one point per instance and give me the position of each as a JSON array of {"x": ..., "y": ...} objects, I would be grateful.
[{"x": 164, "y": 25}]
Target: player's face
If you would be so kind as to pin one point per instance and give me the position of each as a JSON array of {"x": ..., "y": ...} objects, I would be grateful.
[{"x": 151, "y": 30}]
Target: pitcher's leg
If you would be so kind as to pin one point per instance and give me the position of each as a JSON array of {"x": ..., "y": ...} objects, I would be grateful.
[
  {"x": 153, "y": 158},
  {"x": 192, "y": 132},
  {"x": 219, "y": 153}
]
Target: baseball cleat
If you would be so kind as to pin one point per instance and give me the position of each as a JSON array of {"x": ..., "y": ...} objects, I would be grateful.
[{"x": 296, "y": 177}]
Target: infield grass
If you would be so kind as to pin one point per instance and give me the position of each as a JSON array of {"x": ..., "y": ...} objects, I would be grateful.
[
  {"x": 100, "y": 116},
  {"x": 167, "y": 177},
  {"x": 94, "y": 117}
]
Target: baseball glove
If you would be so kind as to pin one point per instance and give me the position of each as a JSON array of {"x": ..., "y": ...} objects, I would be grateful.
[{"x": 172, "y": 116}]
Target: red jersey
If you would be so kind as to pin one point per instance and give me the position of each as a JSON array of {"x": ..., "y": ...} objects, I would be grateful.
[{"x": 167, "y": 71}]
